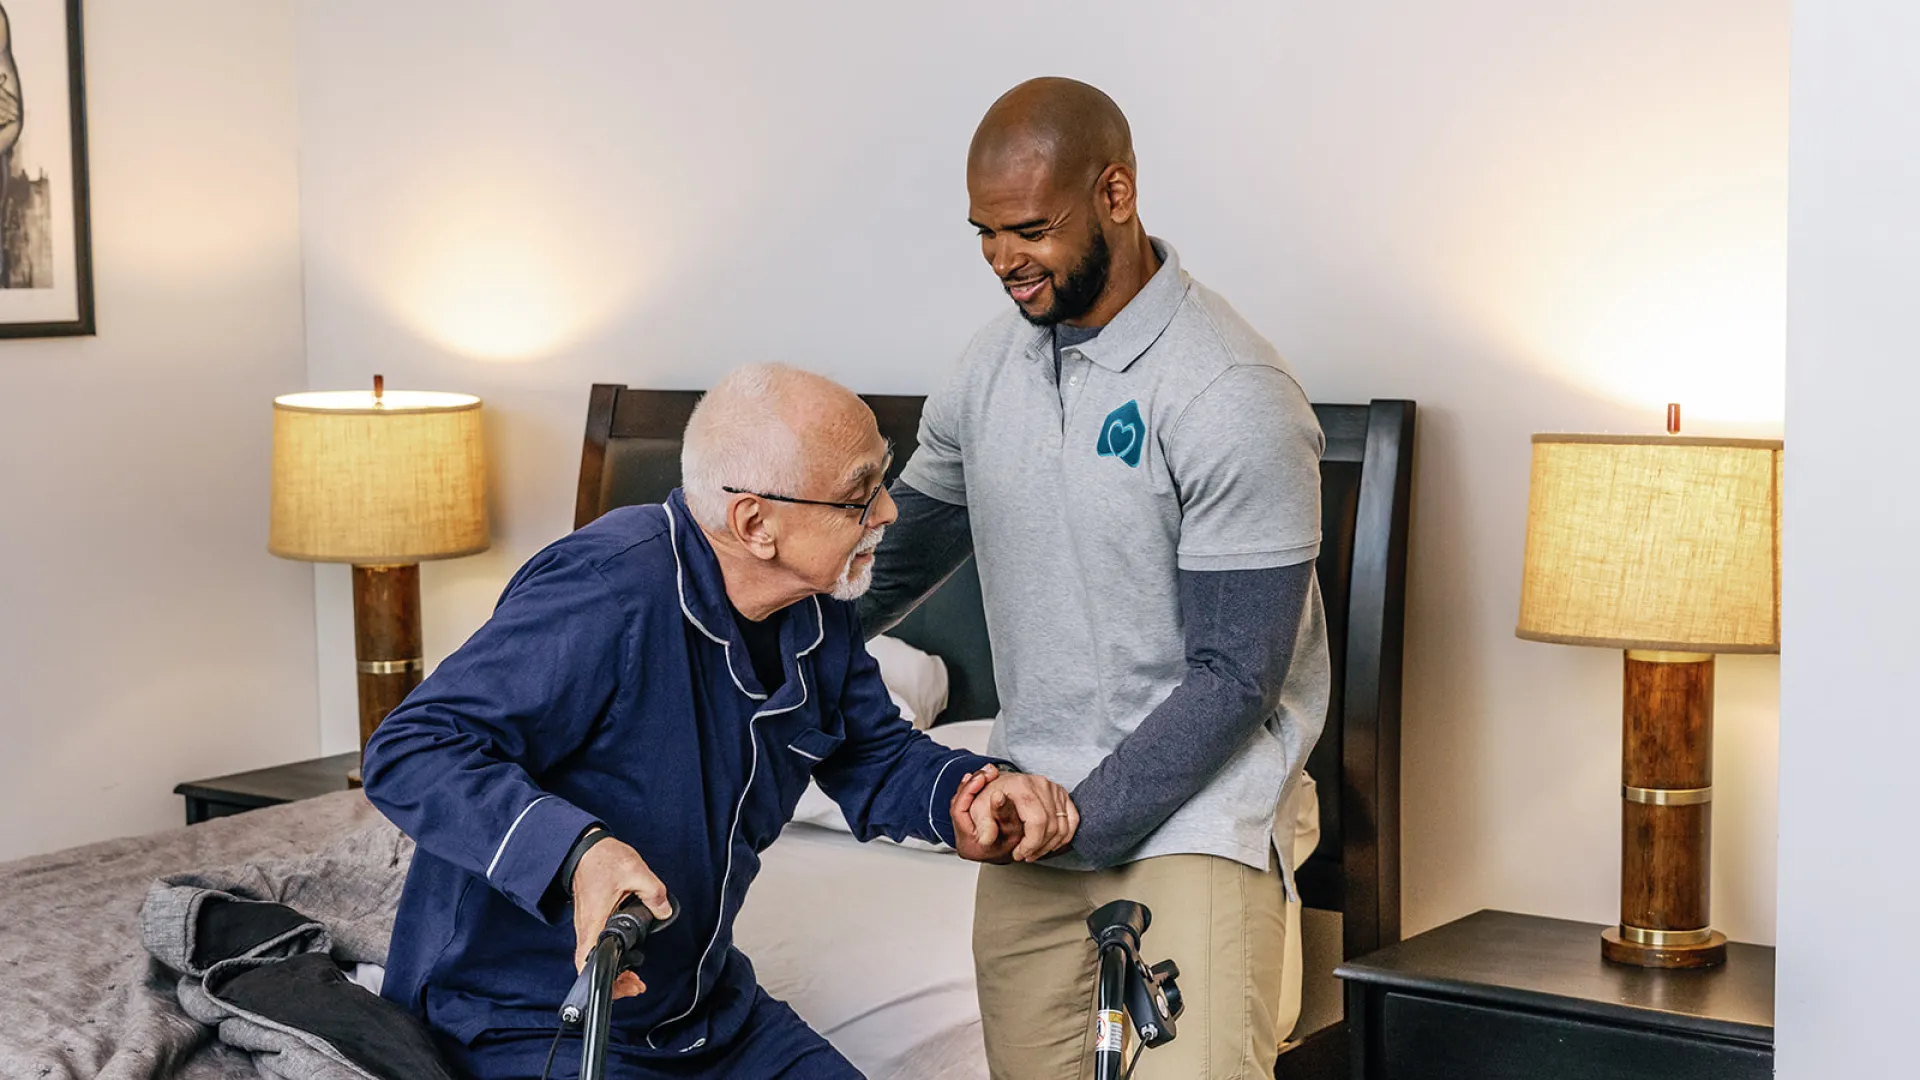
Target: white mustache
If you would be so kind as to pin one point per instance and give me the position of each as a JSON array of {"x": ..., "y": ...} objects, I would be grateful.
[{"x": 871, "y": 540}]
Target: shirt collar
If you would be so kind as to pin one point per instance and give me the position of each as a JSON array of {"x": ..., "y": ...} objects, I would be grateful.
[
  {"x": 1139, "y": 324},
  {"x": 703, "y": 601}
]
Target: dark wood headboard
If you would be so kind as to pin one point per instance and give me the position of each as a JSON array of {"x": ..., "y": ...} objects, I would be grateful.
[{"x": 632, "y": 455}]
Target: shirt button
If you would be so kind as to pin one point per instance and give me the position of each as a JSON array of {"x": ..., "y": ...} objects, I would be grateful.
[{"x": 1071, "y": 354}]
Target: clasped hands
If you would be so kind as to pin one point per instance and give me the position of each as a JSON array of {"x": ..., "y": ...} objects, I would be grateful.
[{"x": 1002, "y": 817}]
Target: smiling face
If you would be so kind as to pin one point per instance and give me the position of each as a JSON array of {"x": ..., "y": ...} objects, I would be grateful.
[
  {"x": 1050, "y": 190},
  {"x": 1043, "y": 239}
]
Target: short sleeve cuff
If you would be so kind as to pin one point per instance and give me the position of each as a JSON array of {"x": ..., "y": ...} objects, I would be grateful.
[
  {"x": 923, "y": 481},
  {"x": 1250, "y": 560}
]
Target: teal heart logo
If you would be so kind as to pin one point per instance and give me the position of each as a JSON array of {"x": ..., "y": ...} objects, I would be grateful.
[{"x": 1122, "y": 434}]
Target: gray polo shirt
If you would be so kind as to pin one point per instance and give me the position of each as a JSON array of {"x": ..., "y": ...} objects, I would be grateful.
[{"x": 1176, "y": 440}]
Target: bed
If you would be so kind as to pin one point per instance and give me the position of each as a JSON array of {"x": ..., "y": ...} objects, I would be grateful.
[{"x": 879, "y": 957}]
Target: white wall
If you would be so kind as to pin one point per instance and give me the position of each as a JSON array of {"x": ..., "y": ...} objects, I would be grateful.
[
  {"x": 1848, "y": 734},
  {"x": 146, "y": 637},
  {"x": 1527, "y": 217}
]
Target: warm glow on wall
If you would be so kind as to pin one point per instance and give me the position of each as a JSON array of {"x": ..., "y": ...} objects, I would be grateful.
[
  {"x": 495, "y": 271},
  {"x": 1632, "y": 258},
  {"x": 1660, "y": 324}
]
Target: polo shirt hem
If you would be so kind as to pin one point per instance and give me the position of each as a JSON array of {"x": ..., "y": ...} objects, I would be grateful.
[{"x": 1259, "y": 855}]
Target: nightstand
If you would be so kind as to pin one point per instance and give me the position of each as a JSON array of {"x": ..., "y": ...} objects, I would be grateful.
[
  {"x": 1497, "y": 996},
  {"x": 240, "y": 792}
]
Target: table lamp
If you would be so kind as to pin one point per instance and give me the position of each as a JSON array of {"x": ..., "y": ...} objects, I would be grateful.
[
  {"x": 1667, "y": 547},
  {"x": 381, "y": 480}
]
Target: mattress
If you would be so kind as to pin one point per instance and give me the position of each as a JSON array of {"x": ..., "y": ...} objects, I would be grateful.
[{"x": 872, "y": 945}]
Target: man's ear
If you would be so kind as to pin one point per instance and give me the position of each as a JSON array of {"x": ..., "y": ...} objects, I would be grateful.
[
  {"x": 748, "y": 521},
  {"x": 1117, "y": 193}
]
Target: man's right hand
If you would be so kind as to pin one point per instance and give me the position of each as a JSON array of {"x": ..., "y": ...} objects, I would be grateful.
[
  {"x": 608, "y": 873},
  {"x": 967, "y": 841}
]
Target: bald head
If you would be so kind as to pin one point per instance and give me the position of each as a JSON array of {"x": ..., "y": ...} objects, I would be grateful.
[
  {"x": 1050, "y": 189},
  {"x": 1070, "y": 130},
  {"x": 769, "y": 428}
]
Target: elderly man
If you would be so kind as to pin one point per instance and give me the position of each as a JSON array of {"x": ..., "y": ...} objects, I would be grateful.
[
  {"x": 639, "y": 717},
  {"x": 1137, "y": 472}
]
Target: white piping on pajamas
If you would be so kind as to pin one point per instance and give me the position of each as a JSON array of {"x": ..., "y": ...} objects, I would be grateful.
[
  {"x": 502, "y": 849},
  {"x": 680, "y": 583},
  {"x": 934, "y": 795},
  {"x": 733, "y": 830},
  {"x": 820, "y": 628}
]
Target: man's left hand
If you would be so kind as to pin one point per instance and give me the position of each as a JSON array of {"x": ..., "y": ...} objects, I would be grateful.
[{"x": 966, "y": 838}]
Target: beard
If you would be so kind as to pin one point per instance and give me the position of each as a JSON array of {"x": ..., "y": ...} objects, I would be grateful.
[
  {"x": 1076, "y": 295},
  {"x": 853, "y": 584}
]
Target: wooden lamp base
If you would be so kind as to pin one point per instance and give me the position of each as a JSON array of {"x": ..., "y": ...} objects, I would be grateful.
[
  {"x": 1666, "y": 817},
  {"x": 386, "y": 643}
]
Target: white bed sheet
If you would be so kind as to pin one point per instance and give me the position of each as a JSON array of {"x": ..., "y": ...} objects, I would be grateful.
[{"x": 872, "y": 945}]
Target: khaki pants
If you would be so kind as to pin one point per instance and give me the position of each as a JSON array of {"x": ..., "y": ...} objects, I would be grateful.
[{"x": 1224, "y": 924}]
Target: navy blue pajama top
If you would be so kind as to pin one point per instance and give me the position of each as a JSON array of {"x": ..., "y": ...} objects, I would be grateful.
[{"x": 612, "y": 685}]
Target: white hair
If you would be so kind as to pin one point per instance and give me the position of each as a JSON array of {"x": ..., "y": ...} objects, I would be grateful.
[{"x": 736, "y": 437}]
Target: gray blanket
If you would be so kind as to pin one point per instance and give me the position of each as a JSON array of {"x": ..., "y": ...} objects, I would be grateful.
[{"x": 80, "y": 997}]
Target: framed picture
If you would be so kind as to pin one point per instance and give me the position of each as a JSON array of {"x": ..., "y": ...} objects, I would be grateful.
[{"x": 46, "y": 262}]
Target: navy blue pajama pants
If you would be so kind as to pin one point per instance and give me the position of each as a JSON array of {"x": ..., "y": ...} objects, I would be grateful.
[{"x": 775, "y": 1044}]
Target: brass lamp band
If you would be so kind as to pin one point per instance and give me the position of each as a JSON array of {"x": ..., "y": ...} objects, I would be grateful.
[
  {"x": 1665, "y": 938},
  {"x": 1667, "y": 656},
  {"x": 392, "y": 667},
  {"x": 1666, "y": 796}
]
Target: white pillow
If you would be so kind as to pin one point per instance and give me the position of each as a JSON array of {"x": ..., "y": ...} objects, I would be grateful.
[
  {"x": 1301, "y": 815},
  {"x": 916, "y": 681},
  {"x": 968, "y": 735}
]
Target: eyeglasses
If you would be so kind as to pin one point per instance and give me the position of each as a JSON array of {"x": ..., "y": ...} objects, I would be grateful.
[{"x": 865, "y": 508}]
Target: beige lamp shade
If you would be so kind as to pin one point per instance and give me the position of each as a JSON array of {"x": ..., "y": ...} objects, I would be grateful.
[
  {"x": 398, "y": 480},
  {"x": 1654, "y": 542}
]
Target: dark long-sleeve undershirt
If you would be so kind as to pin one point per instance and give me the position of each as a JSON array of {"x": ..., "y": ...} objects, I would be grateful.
[{"x": 1240, "y": 628}]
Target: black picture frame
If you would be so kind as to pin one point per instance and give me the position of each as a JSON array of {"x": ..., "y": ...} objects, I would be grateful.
[{"x": 13, "y": 323}]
